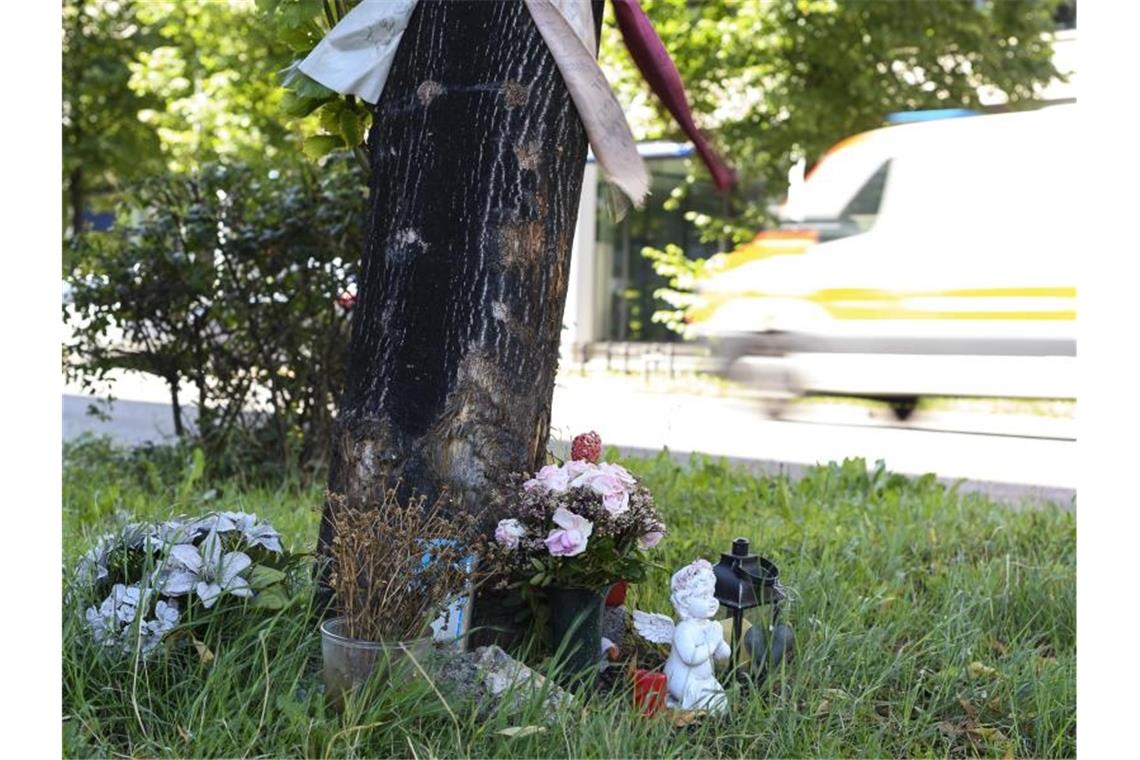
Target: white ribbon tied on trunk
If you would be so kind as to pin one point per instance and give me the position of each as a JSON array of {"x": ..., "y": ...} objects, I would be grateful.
[{"x": 354, "y": 58}]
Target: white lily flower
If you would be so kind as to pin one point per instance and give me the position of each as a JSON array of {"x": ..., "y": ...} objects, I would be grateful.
[
  {"x": 215, "y": 522},
  {"x": 255, "y": 532},
  {"x": 164, "y": 535},
  {"x": 207, "y": 571}
]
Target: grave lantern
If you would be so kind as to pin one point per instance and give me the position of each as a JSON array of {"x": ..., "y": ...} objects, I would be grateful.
[{"x": 745, "y": 583}]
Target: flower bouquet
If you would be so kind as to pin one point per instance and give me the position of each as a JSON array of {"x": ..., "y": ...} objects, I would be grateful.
[
  {"x": 573, "y": 530},
  {"x": 400, "y": 570},
  {"x": 156, "y": 577}
]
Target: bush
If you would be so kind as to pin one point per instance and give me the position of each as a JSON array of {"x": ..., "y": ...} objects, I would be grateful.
[{"x": 239, "y": 283}]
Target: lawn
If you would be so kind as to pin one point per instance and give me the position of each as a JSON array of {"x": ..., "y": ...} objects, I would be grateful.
[{"x": 927, "y": 623}]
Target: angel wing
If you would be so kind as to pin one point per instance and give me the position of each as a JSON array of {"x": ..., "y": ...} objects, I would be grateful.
[{"x": 653, "y": 626}]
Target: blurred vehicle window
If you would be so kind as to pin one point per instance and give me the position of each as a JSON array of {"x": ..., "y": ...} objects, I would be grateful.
[{"x": 864, "y": 207}]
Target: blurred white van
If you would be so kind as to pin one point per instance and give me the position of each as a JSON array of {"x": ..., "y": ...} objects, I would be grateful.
[{"x": 932, "y": 258}]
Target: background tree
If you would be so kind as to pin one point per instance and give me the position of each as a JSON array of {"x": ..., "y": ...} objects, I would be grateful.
[
  {"x": 104, "y": 142},
  {"x": 166, "y": 86}
]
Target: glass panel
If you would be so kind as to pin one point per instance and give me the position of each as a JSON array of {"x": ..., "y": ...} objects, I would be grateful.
[{"x": 864, "y": 207}]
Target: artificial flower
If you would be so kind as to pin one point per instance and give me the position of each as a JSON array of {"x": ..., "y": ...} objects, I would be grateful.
[
  {"x": 508, "y": 533},
  {"x": 571, "y": 540},
  {"x": 255, "y": 532},
  {"x": 207, "y": 571},
  {"x": 651, "y": 539},
  {"x": 551, "y": 477}
]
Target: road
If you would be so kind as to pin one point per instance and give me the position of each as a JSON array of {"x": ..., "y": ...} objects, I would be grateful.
[
  {"x": 1009, "y": 456},
  {"x": 1012, "y": 457}
]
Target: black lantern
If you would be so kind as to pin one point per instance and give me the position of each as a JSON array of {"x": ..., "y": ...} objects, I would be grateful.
[{"x": 746, "y": 582}]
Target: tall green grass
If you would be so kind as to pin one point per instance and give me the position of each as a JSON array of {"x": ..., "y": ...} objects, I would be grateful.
[{"x": 927, "y": 623}]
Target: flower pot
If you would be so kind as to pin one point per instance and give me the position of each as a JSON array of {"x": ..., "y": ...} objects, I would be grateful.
[
  {"x": 349, "y": 663},
  {"x": 616, "y": 595},
  {"x": 650, "y": 689},
  {"x": 576, "y": 628}
]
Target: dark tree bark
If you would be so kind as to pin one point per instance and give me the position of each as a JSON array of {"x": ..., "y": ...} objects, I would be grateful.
[
  {"x": 175, "y": 406},
  {"x": 477, "y": 162},
  {"x": 75, "y": 196}
]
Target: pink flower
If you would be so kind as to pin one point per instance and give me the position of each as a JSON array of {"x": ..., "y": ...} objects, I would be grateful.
[
  {"x": 575, "y": 468},
  {"x": 619, "y": 472},
  {"x": 508, "y": 533},
  {"x": 651, "y": 539},
  {"x": 571, "y": 540},
  {"x": 551, "y": 477},
  {"x": 610, "y": 486},
  {"x": 615, "y": 502}
]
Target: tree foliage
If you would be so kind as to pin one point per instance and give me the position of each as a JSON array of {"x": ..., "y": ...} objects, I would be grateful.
[
  {"x": 103, "y": 140},
  {"x": 216, "y": 72},
  {"x": 153, "y": 86},
  {"x": 341, "y": 122}
]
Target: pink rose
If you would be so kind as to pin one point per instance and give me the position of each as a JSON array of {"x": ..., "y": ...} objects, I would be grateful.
[
  {"x": 551, "y": 477},
  {"x": 615, "y": 502},
  {"x": 619, "y": 472},
  {"x": 614, "y": 492},
  {"x": 575, "y": 468},
  {"x": 571, "y": 540},
  {"x": 508, "y": 533},
  {"x": 651, "y": 539}
]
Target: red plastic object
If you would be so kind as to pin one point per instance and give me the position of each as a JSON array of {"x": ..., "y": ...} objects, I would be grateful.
[
  {"x": 617, "y": 594},
  {"x": 649, "y": 691}
]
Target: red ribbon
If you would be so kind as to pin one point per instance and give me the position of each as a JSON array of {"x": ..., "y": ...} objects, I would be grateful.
[{"x": 661, "y": 74}]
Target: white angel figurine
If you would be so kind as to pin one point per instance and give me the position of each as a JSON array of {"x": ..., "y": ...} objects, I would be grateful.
[{"x": 695, "y": 640}]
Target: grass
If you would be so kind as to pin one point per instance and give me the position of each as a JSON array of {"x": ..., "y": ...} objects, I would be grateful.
[{"x": 927, "y": 623}]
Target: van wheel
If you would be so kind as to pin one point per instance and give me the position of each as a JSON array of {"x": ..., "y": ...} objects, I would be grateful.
[
  {"x": 776, "y": 407},
  {"x": 903, "y": 407}
]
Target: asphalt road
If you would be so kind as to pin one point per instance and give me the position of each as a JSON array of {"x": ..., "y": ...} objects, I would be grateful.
[
  {"x": 1012, "y": 457},
  {"x": 1016, "y": 458}
]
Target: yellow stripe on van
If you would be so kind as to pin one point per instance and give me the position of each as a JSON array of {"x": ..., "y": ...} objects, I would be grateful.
[
  {"x": 868, "y": 303},
  {"x": 871, "y": 303}
]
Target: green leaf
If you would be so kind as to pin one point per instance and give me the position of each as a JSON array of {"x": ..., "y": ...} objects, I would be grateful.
[
  {"x": 318, "y": 146},
  {"x": 296, "y": 106},
  {"x": 305, "y": 87},
  {"x": 272, "y": 598},
  {"x": 351, "y": 127},
  {"x": 784, "y": 502},
  {"x": 261, "y": 577}
]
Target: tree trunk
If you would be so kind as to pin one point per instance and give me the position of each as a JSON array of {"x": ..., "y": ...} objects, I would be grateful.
[
  {"x": 477, "y": 162},
  {"x": 75, "y": 198},
  {"x": 175, "y": 406}
]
